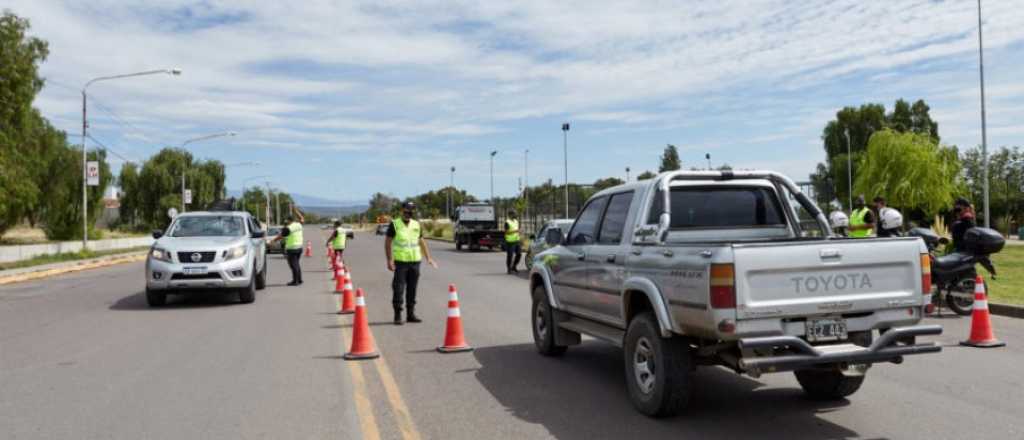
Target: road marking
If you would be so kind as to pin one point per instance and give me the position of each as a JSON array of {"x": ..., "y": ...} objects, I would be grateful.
[
  {"x": 364, "y": 409},
  {"x": 402, "y": 415},
  {"x": 29, "y": 276}
]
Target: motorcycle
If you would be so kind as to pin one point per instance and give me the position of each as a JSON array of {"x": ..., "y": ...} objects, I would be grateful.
[{"x": 954, "y": 274}]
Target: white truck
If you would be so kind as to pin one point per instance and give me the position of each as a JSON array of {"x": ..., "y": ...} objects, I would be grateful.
[
  {"x": 737, "y": 269},
  {"x": 476, "y": 226}
]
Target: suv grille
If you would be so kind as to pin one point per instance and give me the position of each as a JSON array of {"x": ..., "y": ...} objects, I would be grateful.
[{"x": 205, "y": 257}]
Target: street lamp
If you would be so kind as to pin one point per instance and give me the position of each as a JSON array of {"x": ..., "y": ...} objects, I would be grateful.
[
  {"x": 565, "y": 152},
  {"x": 526, "y": 188},
  {"x": 451, "y": 201},
  {"x": 85, "y": 160},
  {"x": 627, "y": 174},
  {"x": 849, "y": 170},
  {"x": 984, "y": 137},
  {"x": 493, "y": 153},
  {"x": 189, "y": 141}
]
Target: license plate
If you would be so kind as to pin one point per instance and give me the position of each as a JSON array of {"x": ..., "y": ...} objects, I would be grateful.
[
  {"x": 826, "y": 330},
  {"x": 195, "y": 270}
]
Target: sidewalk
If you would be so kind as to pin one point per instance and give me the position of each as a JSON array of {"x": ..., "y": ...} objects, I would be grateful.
[{"x": 47, "y": 270}]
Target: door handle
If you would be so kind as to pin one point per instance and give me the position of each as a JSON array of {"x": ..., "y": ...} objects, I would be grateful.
[
  {"x": 637, "y": 252},
  {"x": 610, "y": 258},
  {"x": 668, "y": 253},
  {"x": 581, "y": 256}
]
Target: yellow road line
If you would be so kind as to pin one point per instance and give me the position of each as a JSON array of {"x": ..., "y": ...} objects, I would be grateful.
[
  {"x": 402, "y": 415},
  {"x": 364, "y": 409}
]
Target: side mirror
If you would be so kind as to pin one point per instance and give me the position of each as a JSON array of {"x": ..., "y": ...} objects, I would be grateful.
[
  {"x": 554, "y": 236},
  {"x": 259, "y": 234},
  {"x": 157, "y": 234},
  {"x": 664, "y": 222}
]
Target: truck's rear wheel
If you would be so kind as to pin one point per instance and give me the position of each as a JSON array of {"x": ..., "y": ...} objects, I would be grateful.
[
  {"x": 543, "y": 323},
  {"x": 458, "y": 245},
  {"x": 828, "y": 384},
  {"x": 659, "y": 371}
]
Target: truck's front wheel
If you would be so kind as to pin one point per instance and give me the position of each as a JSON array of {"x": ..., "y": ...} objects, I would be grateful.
[
  {"x": 542, "y": 318},
  {"x": 659, "y": 371},
  {"x": 828, "y": 384}
]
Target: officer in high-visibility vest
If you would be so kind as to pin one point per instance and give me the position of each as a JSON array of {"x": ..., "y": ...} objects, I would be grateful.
[
  {"x": 862, "y": 220},
  {"x": 337, "y": 240},
  {"x": 513, "y": 252},
  {"x": 292, "y": 236},
  {"x": 405, "y": 248}
]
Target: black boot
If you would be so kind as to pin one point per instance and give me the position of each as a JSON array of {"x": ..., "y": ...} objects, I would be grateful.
[
  {"x": 398, "y": 317},
  {"x": 411, "y": 316}
]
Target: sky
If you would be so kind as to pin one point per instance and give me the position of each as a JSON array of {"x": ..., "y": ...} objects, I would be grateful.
[{"x": 340, "y": 100}]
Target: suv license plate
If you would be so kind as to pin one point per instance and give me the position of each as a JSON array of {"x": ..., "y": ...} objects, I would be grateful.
[
  {"x": 195, "y": 270},
  {"x": 826, "y": 330}
]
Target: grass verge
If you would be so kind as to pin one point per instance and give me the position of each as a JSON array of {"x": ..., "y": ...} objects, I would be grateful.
[
  {"x": 70, "y": 256},
  {"x": 1008, "y": 288}
]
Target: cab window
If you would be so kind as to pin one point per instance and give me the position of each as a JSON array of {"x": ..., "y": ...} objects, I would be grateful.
[
  {"x": 615, "y": 218},
  {"x": 585, "y": 229}
]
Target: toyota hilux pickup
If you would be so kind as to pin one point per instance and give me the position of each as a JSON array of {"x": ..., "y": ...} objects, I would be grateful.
[{"x": 737, "y": 269}]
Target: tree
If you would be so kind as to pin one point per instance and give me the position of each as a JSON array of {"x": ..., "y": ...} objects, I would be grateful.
[
  {"x": 646, "y": 175},
  {"x": 1006, "y": 182},
  {"x": 19, "y": 84},
  {"x": 607, "y": 182},
  {"x": 61, "y": 209},
  {"x": 910, "y": 171},
  {"x": 159, "y": 185},
  {"x": 128, "y": 180},
  {"x": 670, "y": 159}
]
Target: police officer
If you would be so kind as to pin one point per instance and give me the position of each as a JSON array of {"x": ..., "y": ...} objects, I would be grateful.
[
  {"x": 292, "y": 236},
  {"x": 405, "y": 248},
  {"x": 337, "y": 240},
  {"x": 862, "y": 220},
  {"x": 513, "y": 252}
]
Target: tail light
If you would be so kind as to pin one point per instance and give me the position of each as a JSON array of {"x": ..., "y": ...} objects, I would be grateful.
[
  {"x": 926, "y": 274},
  {"x": 723, "y": 286}
]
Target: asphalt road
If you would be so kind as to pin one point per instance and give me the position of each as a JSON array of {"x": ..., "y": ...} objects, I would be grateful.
[{"x": 81, "y": 356}]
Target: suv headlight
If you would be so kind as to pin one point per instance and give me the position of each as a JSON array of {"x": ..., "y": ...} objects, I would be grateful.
[
  {"x": 160, "y": 254},
  {"x": 235, "y": 252}
]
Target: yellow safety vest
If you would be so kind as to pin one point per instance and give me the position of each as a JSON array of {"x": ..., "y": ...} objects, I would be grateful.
[
  {"x": 857, "y": 219},
  {"x": 405, "y": 247},
  {"x": 294, "y": 238},
  {"x": 339, "y": 238},
  {"x": 511, "y": 231}
]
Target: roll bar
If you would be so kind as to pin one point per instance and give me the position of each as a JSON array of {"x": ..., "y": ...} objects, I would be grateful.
[{"x": 664, "y": 181}]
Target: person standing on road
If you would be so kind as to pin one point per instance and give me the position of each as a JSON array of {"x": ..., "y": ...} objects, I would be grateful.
[
  {"x": 292, "y": 236},
  {"x": 862, "y": 220},
  {"x": 337, "y": 241},
  {"x": 405, "y": 248},
  {"x": 513, "y": 252}
]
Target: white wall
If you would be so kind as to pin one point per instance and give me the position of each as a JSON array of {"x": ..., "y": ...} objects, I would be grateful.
[{"x": 24, "y": 252}]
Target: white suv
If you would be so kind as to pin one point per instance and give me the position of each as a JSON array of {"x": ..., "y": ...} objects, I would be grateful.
[{"x": 207, "y": 250}]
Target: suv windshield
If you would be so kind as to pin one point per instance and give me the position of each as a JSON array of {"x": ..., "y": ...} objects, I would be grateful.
[{"x": 208, "y": 226}]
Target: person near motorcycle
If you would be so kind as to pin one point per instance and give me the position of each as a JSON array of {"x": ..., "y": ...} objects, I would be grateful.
[
  {"x": 889, "y": 219},
  {"x": 862, "y": 220},
  {"x": 964, "y": 216}
]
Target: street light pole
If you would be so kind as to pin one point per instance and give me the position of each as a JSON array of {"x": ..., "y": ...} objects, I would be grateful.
[
  {"x": 493, "y": 153},
  {"x": 708, "y": 157},
  {"x": 565, "y": 152},
  {"x": 849, "y": 170},
  {"x": 189, "y": 141},
  {"x": 627, "y": 174},
  {"x": 85, "y": 159},
  {"x": 451, "y": 187},
  {"x": 984, "y": 137},
  {"x": 526, "y": 187}
]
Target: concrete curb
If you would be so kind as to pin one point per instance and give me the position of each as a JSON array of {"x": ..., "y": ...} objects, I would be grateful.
[
  {"x": 47, "y": 270},
  {"x": 1008, "y": 310}
]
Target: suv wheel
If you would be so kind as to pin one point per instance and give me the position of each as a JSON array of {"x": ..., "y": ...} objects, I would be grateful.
[
  {"x": 828, "y": 384},
  {"x": 542, "y": 318},
  {"x": 248, "y": 294},
  {"x": 659, "y": 371},
  {"x": 261, "y": 278},
  {"x": 156, "y": 298}
]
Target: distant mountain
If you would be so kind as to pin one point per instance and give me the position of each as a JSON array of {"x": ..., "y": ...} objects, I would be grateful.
[
  {"x": 334, "y": 211},
  {"x": 312, "y": 201}
]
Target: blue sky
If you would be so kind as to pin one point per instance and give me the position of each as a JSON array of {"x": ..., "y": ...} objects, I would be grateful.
[{"x": 340, "y": 100}]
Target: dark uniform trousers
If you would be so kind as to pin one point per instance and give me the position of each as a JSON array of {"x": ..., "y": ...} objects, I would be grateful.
[
  {"x": 513, "y": 252},
  {"x": 294, "y": 257},
  {"x": 407, "y": 276}
]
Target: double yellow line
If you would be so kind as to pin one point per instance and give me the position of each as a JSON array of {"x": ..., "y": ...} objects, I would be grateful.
[{"x": 364, "y": 406}]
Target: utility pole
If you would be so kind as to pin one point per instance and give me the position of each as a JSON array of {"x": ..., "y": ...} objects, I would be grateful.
[
  {"x": 526, "y": 188},
  {"x": 565, "y": 152},
  {"x": 984, "y": 137},
  {"x": 627, "y": 174},
  {"x": 493, "y": 153},
  {"x": 451, "y": 187},
  {"x": 708, "y": 157},
  {"x": 277, "y": 203},
  {"x": 849, "y": 170}
]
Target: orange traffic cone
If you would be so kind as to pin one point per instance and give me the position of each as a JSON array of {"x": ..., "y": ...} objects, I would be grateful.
[
  {"x": 348, "y": 305},
  {"x": 339, "y": 284},
  {"x": 363, "y": 346},
  {"x": 454, "y": 340},
  {"x": 309, "y": 248},
  {"x": 981, "y": 324}
]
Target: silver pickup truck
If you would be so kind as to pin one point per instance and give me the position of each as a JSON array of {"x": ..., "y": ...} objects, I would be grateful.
[{"x": 738, "y": 269}]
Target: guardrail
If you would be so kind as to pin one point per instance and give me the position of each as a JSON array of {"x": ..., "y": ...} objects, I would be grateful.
[{"x": 23, "y": 252}]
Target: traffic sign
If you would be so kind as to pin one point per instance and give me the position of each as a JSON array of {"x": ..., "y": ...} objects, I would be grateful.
[
  {"x": 188, "y": 197},
  {"x": 92, "y": 173}
]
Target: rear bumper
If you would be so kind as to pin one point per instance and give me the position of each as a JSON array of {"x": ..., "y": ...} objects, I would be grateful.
[{"x": 793, "y": 353}]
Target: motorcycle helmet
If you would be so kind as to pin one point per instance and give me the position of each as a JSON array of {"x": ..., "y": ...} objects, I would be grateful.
[
  {"x": 838, "y": 219},
  {"x": 890, "y": 218}
]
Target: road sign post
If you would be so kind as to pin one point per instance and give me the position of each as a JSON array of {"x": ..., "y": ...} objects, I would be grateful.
[
  {"x": 188, "y": 197},
  {"x": 92, "y": 170}
]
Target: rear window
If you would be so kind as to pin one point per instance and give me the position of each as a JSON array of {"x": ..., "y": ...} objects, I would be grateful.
[{"x": 720, "y": 207}]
